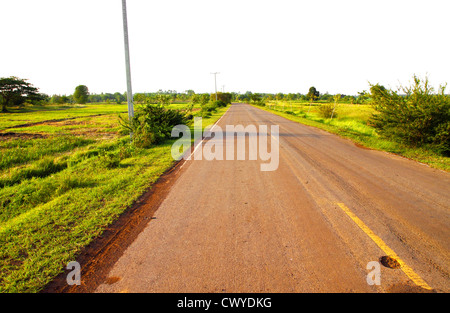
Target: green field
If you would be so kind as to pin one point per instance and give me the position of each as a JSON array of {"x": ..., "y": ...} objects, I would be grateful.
[
  {"x": 351, "y": 121},
  {"x": 66, "y": 173}
]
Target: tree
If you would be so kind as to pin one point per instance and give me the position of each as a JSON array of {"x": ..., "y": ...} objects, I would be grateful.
[
  {"x": 15, "y": 91},
  {"x": 312, "y": 95},
  {"x": 377, "y": 92},
  {"x": 258, "y": 99},
  {"x": 362, "y": 97},
  {"x": 81, "y": 94},
  {"x": 119, "y": 98},
  {"x": 163, "y": 99},
  {"x": 326, "y": 97},
  {"x": 190, "y": 92},
  {"x": 55, "y": 99},
  {"x": 204, "y": 99},
  {"x": 139, "y": 97}
]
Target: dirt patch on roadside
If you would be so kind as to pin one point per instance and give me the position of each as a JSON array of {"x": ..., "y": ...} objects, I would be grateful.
[{"x": 362, "y": 147}]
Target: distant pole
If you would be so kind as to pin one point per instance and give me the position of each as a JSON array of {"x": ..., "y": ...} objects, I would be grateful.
[
  {"x": 127, "y": 62},
  {"x": 215, "y": 82}
]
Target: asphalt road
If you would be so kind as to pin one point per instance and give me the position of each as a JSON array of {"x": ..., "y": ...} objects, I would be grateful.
[{"x": 311, "y": 225}]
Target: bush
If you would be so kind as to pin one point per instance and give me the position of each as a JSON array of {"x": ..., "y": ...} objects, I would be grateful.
[
  {"x": 152, "y": 124},
  {"x": 209, "y": 107},
  {"x": 225, "y": 97},
  {"x": 326, "y": 110},
  {"x": 219, "y": 104},
  {"x": 109, "y": 159},
  {"x": 417, "y": 118}
]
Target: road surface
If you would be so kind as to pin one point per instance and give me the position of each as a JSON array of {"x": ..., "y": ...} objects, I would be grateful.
[{"x": 312, "y": 225}]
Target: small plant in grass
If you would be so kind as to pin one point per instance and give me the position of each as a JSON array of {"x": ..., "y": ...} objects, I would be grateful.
[
  {"x": 336, "y": 98},
  {"x": 327, "y": 110},
  {"x": 126, "y": 150},
  {"x": 109, "y": 159}
]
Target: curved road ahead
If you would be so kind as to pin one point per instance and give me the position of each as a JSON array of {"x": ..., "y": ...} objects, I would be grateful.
[{"x": 311, "y": 225}]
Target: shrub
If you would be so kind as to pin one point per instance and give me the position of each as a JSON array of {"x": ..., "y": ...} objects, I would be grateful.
[
  {"x": 225, "y": 97},
  {"x": 205, "y": 114},
  {"x": 326, "y": 110},
  {"x": 209, "y": 107},
  {"x": 152, "y": 124},
  {"x": 420, "y": 117},
  {"x": 219, "y": 103},
  {"x": 109, "y": 159},
  {"x": 126, "y": 150}
]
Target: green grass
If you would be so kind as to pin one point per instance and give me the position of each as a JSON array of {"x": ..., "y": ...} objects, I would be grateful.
[
  {"x": 21, "y": 151},
  {"x": 36, "y": 114},
  {"x": 58, "y": 193},
  {"x": 351, "y": 122}
]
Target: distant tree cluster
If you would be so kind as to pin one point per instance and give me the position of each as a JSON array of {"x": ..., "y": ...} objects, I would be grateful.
[
  {"x": 15, "y": 91},
  {"x": 312, "y": 95}
]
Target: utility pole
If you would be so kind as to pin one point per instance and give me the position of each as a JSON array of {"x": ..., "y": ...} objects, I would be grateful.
[
  {"x": 215, "y": 82},
  {"x": 127, "y": 62}
]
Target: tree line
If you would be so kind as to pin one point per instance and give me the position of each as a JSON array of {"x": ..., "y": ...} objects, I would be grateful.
[
  {"x": 415, "y": 115},
  {"x": 15, "y": 91}
]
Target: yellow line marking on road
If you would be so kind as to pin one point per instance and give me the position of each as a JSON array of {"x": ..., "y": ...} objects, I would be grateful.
[{"x": 383, "y": 246}]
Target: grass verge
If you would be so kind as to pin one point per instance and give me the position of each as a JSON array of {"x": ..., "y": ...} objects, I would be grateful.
[{"x": 351, "y": 123}]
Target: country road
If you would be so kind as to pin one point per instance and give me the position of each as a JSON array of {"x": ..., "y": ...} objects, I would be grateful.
[{"x": 311, "y": 225}]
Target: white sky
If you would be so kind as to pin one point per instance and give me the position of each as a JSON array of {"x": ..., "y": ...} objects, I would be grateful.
[{"x": 338, "y": 46}]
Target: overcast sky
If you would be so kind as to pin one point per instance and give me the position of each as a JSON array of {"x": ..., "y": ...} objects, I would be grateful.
[{"x": 338, "y": 46}]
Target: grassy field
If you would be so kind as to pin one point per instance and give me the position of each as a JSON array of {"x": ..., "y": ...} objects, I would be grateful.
[
  {"x": 351, "y": 121},
  {"x": 66, "y": 173}
]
